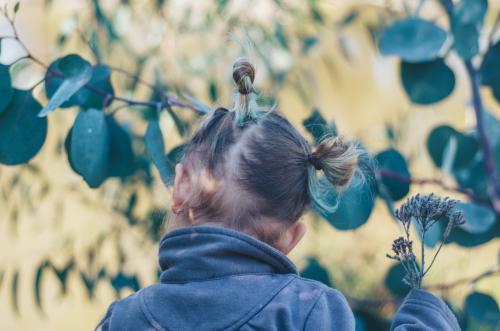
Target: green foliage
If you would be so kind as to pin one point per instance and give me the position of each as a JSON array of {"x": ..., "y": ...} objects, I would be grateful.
[
  {"x": 427, "y": 82},
  {"x": 444, "y": 137},
  {"x": 89, "y": 149},
  {"x": 482, "y": 309},
  {"x": 73, "y": 73},
  {"x": 393, "y": 162},
  {"x": 314, "y": 270},
  {"x": 22, "y": 132},
  {"x": 6, "y": 89},
  {"x": 413, "y": 40},
  {"x": 466, "y": 24},
  {"x": 99, "y": 147}
]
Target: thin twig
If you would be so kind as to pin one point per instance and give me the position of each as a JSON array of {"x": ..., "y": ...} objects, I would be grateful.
[
  {"x": 168, "y": 101},
  {"x": 465, "y": 280}
]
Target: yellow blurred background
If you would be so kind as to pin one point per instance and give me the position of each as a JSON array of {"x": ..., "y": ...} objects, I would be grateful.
[{"x": 343, "y": 75}]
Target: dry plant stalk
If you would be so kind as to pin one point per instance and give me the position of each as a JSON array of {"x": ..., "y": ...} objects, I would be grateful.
[{"x": 425, "y": 211}]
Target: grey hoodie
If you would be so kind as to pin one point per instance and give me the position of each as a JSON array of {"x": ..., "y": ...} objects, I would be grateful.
[{"x": 215, "y": 278}]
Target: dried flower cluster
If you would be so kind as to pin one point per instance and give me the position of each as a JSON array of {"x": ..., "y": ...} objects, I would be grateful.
[{"x": 425, "y": 211}]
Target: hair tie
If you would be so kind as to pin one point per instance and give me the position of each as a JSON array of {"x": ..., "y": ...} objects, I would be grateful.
[{"x": 312, "y": 161}]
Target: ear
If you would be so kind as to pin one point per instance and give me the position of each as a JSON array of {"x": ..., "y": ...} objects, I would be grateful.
[
  {"x": 291, "y": 237},
  {"x": 182, "y": 185}
]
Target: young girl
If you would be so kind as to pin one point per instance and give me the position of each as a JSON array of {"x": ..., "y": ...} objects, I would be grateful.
[{"x": 245, "y": 179}]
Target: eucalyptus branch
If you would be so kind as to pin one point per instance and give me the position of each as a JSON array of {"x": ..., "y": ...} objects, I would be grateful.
[
  {"x": 166, "y": 102},
  {"x": 466, "y": 280},
  {"x": 381, "y": 173},
  {"x": 493, "y": 183}
]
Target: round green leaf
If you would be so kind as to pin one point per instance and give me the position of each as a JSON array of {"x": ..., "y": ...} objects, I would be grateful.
[
  {"x": 101, "y": 79},
  {"x": 466, "y": 239},
  {"x": 354, "y": 207},
  {"x": 73, "y": 72},
  {"x": 6, "y": 90},
  {"x": 427, "y": 82},
  {"x": 22, "y": 132},
  {"x": 412, "y": 39},
  {"x": 466, "y": 23},
  {"x": 121, "y": 156},
  {"x": 90, "y": 146},
  {"x": 490, "y": 69},
  {"x": 479, "y": 219},
  {"x": 314, "y": 270},
  {"x": 394, "y": 281},
  {"x": 439, "y": 139},
  {"x": 482, "y": 308},
  {"x": 392, "y": 161}
]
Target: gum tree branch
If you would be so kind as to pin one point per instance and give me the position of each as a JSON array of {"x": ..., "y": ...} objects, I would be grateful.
[
  {"x": 493, "y": 182},
  {"x": 166, "y": 101}
]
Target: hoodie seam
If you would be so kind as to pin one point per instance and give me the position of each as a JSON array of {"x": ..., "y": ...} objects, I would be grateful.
[
  {"x": 281, "y": 259},
  {"x": 312, "y": 309},
  {"x": 252, "y": 313},
  {"x": 149, "y": 316},
  {"x": 201, "y": 280}
]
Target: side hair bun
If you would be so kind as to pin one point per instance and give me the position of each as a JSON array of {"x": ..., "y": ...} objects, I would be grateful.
[{"x": 337, "y": 158}]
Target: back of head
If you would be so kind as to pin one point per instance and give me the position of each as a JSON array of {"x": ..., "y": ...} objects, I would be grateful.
[{"x": 254, "y": 172}]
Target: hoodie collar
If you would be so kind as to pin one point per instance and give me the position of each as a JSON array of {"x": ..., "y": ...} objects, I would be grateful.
[{"x": 204, "y": 252}]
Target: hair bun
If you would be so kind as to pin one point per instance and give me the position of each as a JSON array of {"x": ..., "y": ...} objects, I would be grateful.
[
  {"x": 244, "y": 75},
  {"x": 337, "y": 158}
]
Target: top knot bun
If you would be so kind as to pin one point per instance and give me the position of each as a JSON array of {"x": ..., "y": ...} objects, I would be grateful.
[{"x": 244, "y": 75}]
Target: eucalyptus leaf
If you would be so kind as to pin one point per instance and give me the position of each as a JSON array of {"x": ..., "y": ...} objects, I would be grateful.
[
  {"x": 413, "y": 39},
  {"x": 482, "y": 308},
  {"x": 314, "y": 270},
  {"x": 156, "y": 150},
  {"x": 76, "y": 72},
  {"x": 395, "y": 173},
  {"x": 90, "y": 146},
  {"x": 6, "y": 90},
  {"x": 438, "y": 140},
  {"x": 427, "y": 82},
  {"x": 479, "y": 219},
  {"x": 22, "y": 132}
]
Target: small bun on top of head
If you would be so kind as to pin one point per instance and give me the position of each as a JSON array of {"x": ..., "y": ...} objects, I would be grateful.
[
  {"x": 244, "y": 75},
  {"x": 337, "y": 158}
]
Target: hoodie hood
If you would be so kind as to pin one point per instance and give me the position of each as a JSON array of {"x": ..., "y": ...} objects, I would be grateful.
[{"x": 213, "y": 278}]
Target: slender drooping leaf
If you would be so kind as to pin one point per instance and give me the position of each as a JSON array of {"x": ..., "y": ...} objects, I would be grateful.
[
  {"x": 76, "y": 72},
  {"x": 156, "y": 150}
]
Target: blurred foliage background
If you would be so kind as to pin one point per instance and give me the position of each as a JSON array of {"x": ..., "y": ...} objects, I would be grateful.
[{"x": 75, "y": 237}]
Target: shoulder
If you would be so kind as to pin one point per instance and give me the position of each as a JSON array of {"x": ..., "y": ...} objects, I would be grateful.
[
  {"x": 330, "y": 309},
  {"x": 126, "y": 314}
]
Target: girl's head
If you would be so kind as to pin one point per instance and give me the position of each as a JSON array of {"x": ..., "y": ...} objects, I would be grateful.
[{"x": 249, "y": 169}]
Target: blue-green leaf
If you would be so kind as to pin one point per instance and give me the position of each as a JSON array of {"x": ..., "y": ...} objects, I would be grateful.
[
  {"x": 77, "y": 72},
  {"x": 121, "y": 157},
  {"x": 394, "y": 281},
  {"x": 90, "y": 146},
  {"x": 479, "y": 219},
  {"x": 482, "y": 308},
  {"x": 314, "y": 270},
  {"x": 156, "y": 150},
  {"x": 6, "y": 90},
  {"x": 395, "y": 175},
  {"x": 490, "y": 69},
  {"x": 466, "y": 23},
  {"x": 439, "y": 139},
  {"x": 413, "y": 39},
  {"x": 354, "y": 206},
  {"x": 427, "y": 82},
  {"x": 22, "y": 132}
]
